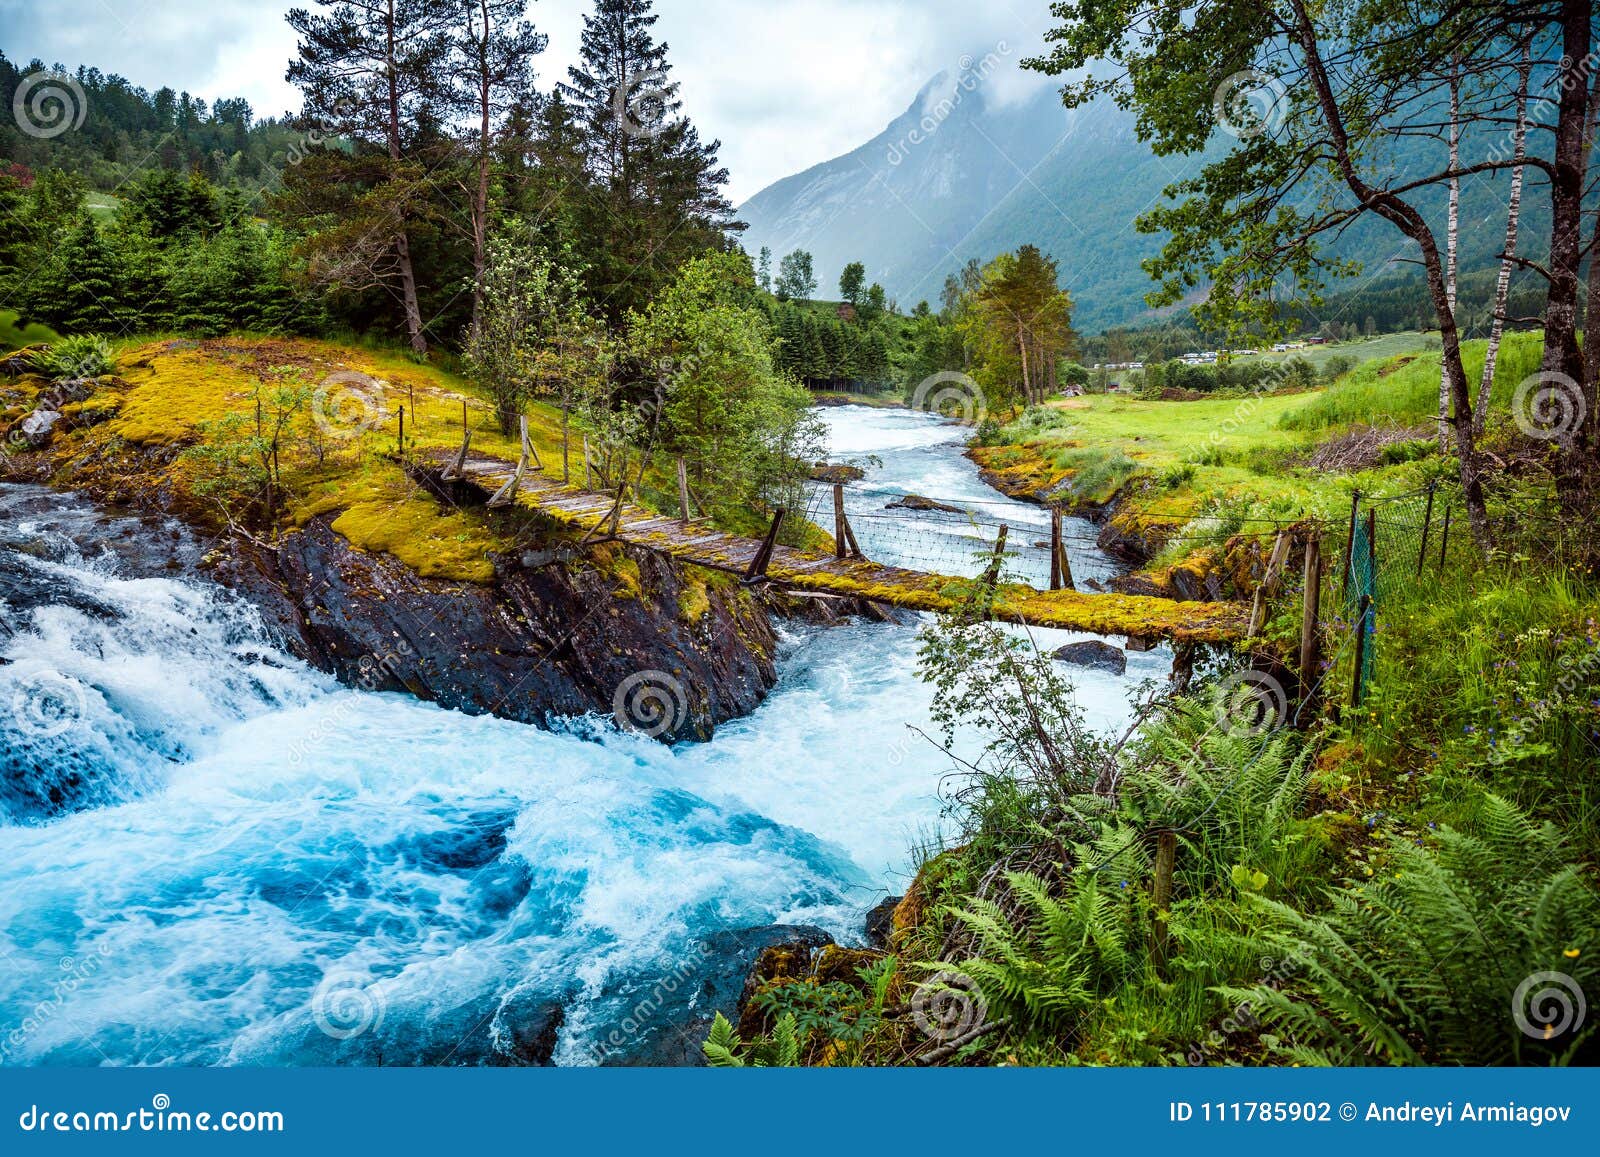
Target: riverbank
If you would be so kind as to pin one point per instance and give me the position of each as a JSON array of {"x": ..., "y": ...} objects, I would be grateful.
[
  {"x": 1221, "y": 888},
  {"x": 464, "y": 889}
]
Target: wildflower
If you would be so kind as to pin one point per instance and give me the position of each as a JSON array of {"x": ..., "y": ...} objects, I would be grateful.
[{"x": 1571, "y": 953}]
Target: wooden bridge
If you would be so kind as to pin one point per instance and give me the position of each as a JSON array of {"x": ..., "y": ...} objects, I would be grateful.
[{"x": 844, "y": 572}]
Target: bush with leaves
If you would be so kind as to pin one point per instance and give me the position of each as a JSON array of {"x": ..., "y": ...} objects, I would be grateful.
[{"x": 1476, "y": 948}]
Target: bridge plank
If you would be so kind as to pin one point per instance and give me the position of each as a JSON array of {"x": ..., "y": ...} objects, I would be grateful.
[{"x": 1111, "y": 614}]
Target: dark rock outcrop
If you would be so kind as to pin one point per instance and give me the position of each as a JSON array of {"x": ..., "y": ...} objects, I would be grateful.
[
  {"x": 550, "y": 640},
  {"x": 918, "y": 502},
  {"x": 836, "y": 472},
  {"x": 880, "y": 922},
  {"x": 1094, "y": 654},
  {"x": 1123, "y": 545}
]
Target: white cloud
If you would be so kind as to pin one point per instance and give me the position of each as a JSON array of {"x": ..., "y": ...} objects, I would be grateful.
[{"x": 783, "y": 85}]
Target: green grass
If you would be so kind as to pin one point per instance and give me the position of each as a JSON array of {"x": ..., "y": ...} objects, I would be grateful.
[
  {"x": 13, "y": 336},
  {"x": 1362, "y": 350},
  {"x": 102, "y": 205},
  {"x": 1407, "y": 393}
]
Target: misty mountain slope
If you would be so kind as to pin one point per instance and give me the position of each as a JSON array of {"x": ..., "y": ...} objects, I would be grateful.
[{"x": 958, "y": 175}]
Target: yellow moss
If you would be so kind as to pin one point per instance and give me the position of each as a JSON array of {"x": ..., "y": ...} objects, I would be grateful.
[
  {"x": 629, "y": 583},
  {"x": 173, "y": 394},
  {"x": 447, "y": 546},
  {"x": 694, "y": 600}
]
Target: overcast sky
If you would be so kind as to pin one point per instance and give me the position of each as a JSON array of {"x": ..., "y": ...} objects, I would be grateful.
[{"x": 783, "y": 83}]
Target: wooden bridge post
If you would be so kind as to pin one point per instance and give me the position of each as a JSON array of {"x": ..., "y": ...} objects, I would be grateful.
[
  {"x": 507, "y": 494},
  {"x": 850, "y": 537},
  {"x": 1310, "y": 640},
  {"x": 458, "y": 468},
  {"x": 1060, "y": 564},
  {"x": 1182, "y": 667},
  {"x": 838, "y": 520},
  {"x": 1269, "y": 584},
  {"x": 683, "y": 491},
  {"x": 758, "y": 565}
]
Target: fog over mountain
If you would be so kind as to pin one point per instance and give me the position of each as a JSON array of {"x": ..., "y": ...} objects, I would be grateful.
[{"x": 964, "y": 173}]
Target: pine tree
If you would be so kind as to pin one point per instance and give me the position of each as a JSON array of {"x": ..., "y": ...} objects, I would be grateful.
[
  {"x": 494, "y": 48},
  {"x": 657, "y": 188},
  {"x": 79, "y": 293},
  {"x": 372, "y": 72}
]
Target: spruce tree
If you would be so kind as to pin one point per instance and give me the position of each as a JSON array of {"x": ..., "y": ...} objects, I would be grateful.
[{"x": 657, "y": 187}]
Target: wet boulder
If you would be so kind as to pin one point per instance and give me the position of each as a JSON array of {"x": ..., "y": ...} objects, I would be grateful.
[{"x": 1094, "y": 654}]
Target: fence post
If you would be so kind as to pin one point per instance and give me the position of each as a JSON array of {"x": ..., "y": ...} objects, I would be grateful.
[
  {"x": 1350, "y": 544},
  {"x": 992, "y": 575},
  {"x": 1361, "y": 650},
  {"x": 1310, "y": 609},
  {"x": 838, "y": 520},
  {"x": 400, "y": 442},
  {"x": 1427, "y": 519},
  {"x": 1372, "y": 544},
  {"x": 1161, "y": 892},
  {"x": 1268, "y": 587},
  {"x": 683, "y": 490}
]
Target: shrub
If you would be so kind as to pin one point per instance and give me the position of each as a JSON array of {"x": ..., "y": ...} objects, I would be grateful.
[{"x": 82, "y": 356}]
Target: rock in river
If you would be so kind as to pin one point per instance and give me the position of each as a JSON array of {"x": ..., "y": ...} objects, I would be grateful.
[{"x": 1094, "y": 654}]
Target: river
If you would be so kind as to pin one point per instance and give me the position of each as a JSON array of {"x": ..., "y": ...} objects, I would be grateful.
[{"x": 213, "y": 854}]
